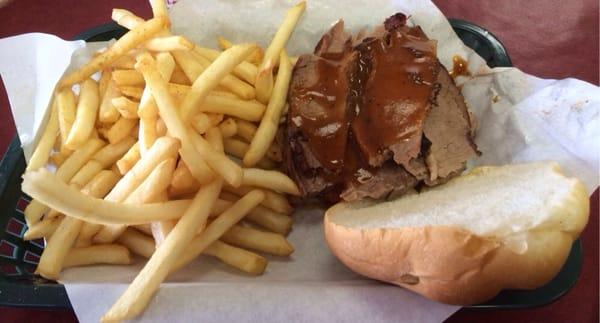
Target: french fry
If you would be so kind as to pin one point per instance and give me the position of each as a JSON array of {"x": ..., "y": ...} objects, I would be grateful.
[
  {"x": 271, "y": 59},
  {"x": 159, "y": 8},
  {"x": 160, "y": 230},
  {"x": 127, "y": 78},
  {"x": 131, "y": 157},
  {"x": 108, "y": 113},
  {"x": 173, "y": 119},
  {"x": 148, "y": 191},
  {"x": 183, "y": 179},
  {"x": 147, "y": 133},
  {"x": 247, "y": 110},
  {"x": 41, "y": 154},
  {"x": 103, "y": 82},
  {"x": 137, "y": 242},
  {"x": 260, "y": 215},
  {"x": 131, "y": 91},
  {"x": 144, "y": 228},
  {"x": 127, "y": 108},
  {"x": 168, "y": 43},
  {"x": 274, "y": 180},
  {"x": 120, "y": 130},
  {"x": 46, "y": 187},
  {"x": 245, "y": 130},
  {"x": 58, "y": 245},
  {"x": 215, "y": 139},
  {"x": 239, "y": 258},
  {"x": 111, "y": 153},
  {"x": 161, "y": 128},
  {"x": 245, "y": 71},
  {"x": 87, "y": 110},
  {"x": 86, "y": 173},
  {"x": 228, "y": 128},
  {"x": 126, "y": 18},
  {"x": 66, "y": 112},
  {"x": 59, "y": 158},
  {"x": 273, "y": 200},
  {"x": 130, "y": 40},
  {"x": 293, "y": 60},
  {"x": 218, "y": 227},
  {"x": 41, "y": 229},
  {"x": 268, "y": 125},
  {"x": 228, "y": 169},
  {"x": 110, "y": 254},
  {"x": 201, "y": 123},
  {"x": 238, "y": 148},
  {"x": 224, "y": 43},
  {"x": 165, "y": 64},
  {"x": 138, "y": 294},
  {"x": 246, "y": 237},
  {"x": 124, "y": 62},
  {"x": 179, "y": 77},
  {"x": 212, "y": 76}
]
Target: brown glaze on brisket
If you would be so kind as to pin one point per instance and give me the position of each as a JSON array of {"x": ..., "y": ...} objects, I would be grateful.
[{"x": 374, "y": 115}]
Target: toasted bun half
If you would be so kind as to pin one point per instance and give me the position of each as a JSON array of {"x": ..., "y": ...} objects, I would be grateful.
[{"x": 507, "y": 227}]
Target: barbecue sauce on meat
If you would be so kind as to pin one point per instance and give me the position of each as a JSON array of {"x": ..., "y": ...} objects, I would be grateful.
[{"x": 357, "y": 110}]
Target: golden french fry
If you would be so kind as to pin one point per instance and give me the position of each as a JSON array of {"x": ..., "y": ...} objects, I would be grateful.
[
  {"x": 148, "y": 191},
  {"x": 165, "y": 65},
  {"x": 179, "y": 77},
  {"x": 212, "y": 76},
  {"x": 130, "y": 40},
  {"x": 127, "y": 108},
  {"x": 59, "y": 158},
  {"x": 260, "y": 215},
  {"x": 246, "y": 237},
  {"x": 228, "y": 128},
  {"x": 86, "y": 173},
  {"x": 110, "y": 254},
  {"x": 137, "y": 242},
  {"x": 45, "y": 186},
  {"x": 138, "y": 294},
  {"x": 228, "y": 169},
  {"x": 183, "y": 179},
  {"x": 131, "y": 157},
  {"x": 201, "y": 123},
  {"x": 87, "y": 110},
  {"x": 41, "y": 229},
  {"x": 58, "y": 245},
  {"x": 173, "y": 120},
  {"x": 239, "y": 258},
  {"x": 168, "y": 43},
  {"x": 161, "y": 128},
  {"x": 120, "y": 130},
  {"x": 87, "y": 231},
  {"x": 267, "y": 129},
  {"x": 127, "y": 78},
  {"x": 108, "y": 113},
  {"x": 245, "y": 71},
  {"x": 147, "y": 133},
  {"x": 274, "y": 180},
  {"x": 218, "y": 227},
  {"x": 41, "y": 154},
  {"x": 247, "y": 110},
  {"x": 224, "y": 43},
  {"x": 264, "y": 80},
  {"x": 126, "y": 18},
  {"x": 274, "y": 201},
  {"x": 132, "y": 91},
  {"x": 159, "y": 8},
  {"x": 246, "y": 130},
  {"x": 103, "y": 82},
  {"x": 124, "y": 62},
  {"x": 238, "y": 148},
  {"x": 66, "y": 112},
  {"x": 109, "y": 154}
]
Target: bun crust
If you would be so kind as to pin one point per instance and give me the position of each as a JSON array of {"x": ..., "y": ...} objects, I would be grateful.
[{"x": 453, "y": 265}]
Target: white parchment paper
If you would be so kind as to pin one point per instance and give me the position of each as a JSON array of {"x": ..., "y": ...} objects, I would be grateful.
[{"x": 521, "y": 118}]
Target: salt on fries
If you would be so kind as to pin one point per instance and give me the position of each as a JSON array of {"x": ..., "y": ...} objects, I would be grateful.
[{"x": 151, "y": 158}]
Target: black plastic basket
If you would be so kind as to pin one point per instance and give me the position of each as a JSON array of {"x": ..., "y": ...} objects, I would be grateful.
[{"x": 19, "y": 286}]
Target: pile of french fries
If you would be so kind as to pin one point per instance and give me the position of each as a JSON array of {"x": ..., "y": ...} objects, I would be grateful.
[{"x": 164, "y": 149}]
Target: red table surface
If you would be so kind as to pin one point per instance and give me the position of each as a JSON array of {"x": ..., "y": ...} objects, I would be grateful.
[{"x": 546, "y": 38}]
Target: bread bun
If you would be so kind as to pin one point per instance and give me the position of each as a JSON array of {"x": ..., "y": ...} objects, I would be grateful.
[{"x": 508, "y": 227}]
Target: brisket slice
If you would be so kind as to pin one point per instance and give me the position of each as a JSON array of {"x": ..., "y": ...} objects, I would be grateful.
[{"x": 374, "y": 115}]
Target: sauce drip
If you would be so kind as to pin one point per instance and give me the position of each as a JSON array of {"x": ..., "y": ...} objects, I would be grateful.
[{"x": 459, "y": 67}]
